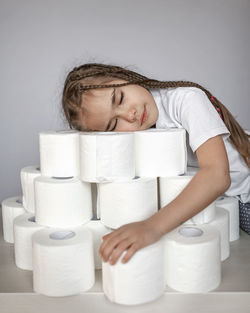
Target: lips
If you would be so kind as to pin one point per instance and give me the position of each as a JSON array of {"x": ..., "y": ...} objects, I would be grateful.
[{"x": 144, "y": 116}]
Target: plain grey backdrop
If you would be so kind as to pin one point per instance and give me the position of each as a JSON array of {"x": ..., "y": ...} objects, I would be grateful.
[{"x": 207, "y": 42}]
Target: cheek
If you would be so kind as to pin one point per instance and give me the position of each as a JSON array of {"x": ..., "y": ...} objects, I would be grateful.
[
  {"x": 123, "y": 126},
  {"x": 154, "y": 114}
]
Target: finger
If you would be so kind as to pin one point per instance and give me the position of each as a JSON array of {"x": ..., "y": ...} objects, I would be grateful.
[
  {"x": 110, "y": 245},
  {"x": 112, "y": 239},
  {"x": 131, "y": 251},
  {"x": 111, "y": 234},
  {"x": 105, "y": 240},
  {"x": 117, "y": 252},
  {"x": 107, "y": 235},
  {"x": 122, "y": 231}
]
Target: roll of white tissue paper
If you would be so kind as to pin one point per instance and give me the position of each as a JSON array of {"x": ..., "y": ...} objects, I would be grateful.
[
  {"x": 232, "y": 206},
  {"x": 192, "y": 259},
  {"x": 191, "y": 170},
  {"x": 171, "y": 187},
  {"x": 120, "y": 203},
  {"x": 28, "y": 174},
  {"x": 107, "y": 156},
  {"x": 221, "y": 222},
  {"x": 160, "y": 152},
  {"x": 24, "y": 227},
  {"x": 63, "y": 261},
  {"x": 62, "y": 202},
  {"x": 59, "y": 153},
  {"x": 11, "y": 208},
  {"x": 98, "y": 231},
  {"x": 138, "y": 281}
]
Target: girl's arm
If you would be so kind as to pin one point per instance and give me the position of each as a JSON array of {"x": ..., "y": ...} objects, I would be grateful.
[{"x": 211, "y": 181}]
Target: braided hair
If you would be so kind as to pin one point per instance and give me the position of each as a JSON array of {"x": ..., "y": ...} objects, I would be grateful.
[{"x": 95, "y": 76}]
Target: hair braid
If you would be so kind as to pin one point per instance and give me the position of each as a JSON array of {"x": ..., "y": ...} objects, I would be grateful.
[{"x": 95, "y": 76}]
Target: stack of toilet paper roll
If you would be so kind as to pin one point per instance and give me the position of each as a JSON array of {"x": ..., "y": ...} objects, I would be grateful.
[
  {"x": 171, "y": 187},
  {"x": 54, "y": 226},
  {"x": 193, "y": 251},
  {"x": 63, "y": 207},
  {"x": 55, "y": 203},
  {"x": 130, "y": 198}
]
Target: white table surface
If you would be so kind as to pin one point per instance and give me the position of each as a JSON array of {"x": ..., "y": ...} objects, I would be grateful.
[{"x": 233, "y": 294}]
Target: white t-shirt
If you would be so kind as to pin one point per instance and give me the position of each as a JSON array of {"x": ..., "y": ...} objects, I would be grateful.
[{"x": 190, "y": 108}]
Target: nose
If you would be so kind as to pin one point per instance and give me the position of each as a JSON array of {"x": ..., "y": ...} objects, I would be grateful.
[
  {"x": 132, "y": 115},
  {"x": 129, "y": 115}
]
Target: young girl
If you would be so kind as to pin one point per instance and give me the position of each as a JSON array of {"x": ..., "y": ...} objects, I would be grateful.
[{"x": 99, "y": 97}]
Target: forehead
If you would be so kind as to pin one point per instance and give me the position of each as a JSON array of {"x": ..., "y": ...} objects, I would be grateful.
[
  {"x": 93, "y": 94},
  {"x": 96, "y": 98},
  {"x": 96, "y": 107}
]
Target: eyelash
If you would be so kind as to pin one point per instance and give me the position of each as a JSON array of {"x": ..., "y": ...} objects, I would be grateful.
[{"x": 122, "y": 96}]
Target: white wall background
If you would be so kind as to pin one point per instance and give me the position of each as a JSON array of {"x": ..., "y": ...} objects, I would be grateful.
[{"x": 207, "y": 42}]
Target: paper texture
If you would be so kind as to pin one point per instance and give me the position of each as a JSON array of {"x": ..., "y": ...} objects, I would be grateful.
[
  {"x": 192, "y": 258},
  {"x": 63, "y": 266},
  {"x": 62, "y": 202}
]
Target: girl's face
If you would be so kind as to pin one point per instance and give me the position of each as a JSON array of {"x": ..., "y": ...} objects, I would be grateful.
[{"x": 126, "y": 108}]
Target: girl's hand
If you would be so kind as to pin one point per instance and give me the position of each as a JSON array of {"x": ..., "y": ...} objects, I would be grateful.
[{"x": 132, "y": 237}]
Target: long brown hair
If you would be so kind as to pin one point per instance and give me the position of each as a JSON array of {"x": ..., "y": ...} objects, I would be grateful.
[{"x": 93, "y": 76}]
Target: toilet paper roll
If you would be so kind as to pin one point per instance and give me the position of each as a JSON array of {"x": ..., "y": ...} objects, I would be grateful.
[
  {"x": 221, "y": 223},
  {"x": 59, "y": 153},
  {"x": 28, "y": 174},
  {"x": 191, "y": 170},
  {"x": 171, "y": 187},
  {"x": 62, "y": 202},
  {"x": 98, "y": 231},
  {"x": 63, "y": 261},
  {"x": 11, "y": 208},
  {"x": 160, "y": 152},
  {"x": 107, "y": 156},
  {"x": 192, "y": 259},
  {"x": 138, "y": 281},
  {"x": 120, "y": 203},
  {"x": 232, "y": 206},
  {"x": 24, "y": 227}
]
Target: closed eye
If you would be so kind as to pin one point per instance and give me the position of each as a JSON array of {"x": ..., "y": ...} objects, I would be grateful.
[{"x": 122, "y": 96}]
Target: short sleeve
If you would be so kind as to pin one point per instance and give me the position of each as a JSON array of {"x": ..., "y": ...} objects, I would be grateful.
[{"x": 199, "y": 117}]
